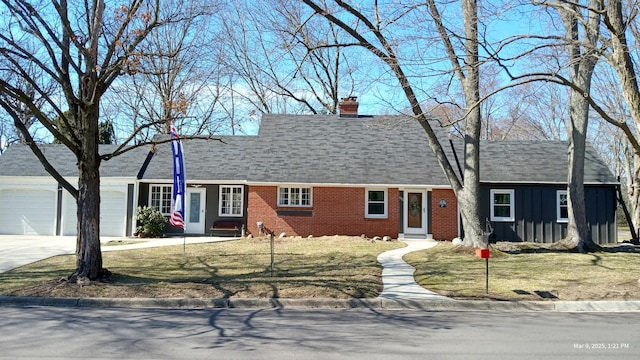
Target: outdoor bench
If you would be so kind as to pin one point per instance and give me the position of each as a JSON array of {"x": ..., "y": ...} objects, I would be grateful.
[{"x": 226, "y": 227}]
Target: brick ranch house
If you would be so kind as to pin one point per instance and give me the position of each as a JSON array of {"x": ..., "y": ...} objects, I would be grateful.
[{"x": 303, "y": 175}]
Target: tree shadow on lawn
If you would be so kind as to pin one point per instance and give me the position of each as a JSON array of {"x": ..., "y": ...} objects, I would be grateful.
[
  {"x": 545, "y": 248},
  {"x": 288, "y": 280}
]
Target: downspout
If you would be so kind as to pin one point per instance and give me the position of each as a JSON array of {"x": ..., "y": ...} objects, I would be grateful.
[
  {"x": 136, "y": 186},
  {"x": 455, "y": 157},
  {"x": 146, "y": 162}
]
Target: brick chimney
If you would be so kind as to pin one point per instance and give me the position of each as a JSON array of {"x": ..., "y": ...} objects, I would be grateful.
[{"x": 348, "y": 107}]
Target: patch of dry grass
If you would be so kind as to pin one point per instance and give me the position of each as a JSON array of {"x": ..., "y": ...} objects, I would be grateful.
[
  {"x": 455, "y": 272},
  {"x": 333, "y": 267}
]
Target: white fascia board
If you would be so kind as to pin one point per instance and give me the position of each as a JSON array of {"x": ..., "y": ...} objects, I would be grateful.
[
  {"x": 21, "y": 182},
  {"x": 543, "y": 183},
  {"x": 400, "y": 186},
  {"x": 191, "y": 181}
]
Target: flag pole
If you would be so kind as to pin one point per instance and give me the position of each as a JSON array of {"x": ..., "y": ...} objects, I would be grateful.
[{"x": 177, "y": 217}]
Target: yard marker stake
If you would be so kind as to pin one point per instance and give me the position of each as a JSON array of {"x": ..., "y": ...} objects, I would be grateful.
[
  {"x": 271, "y": 239},
  {"x": 486, "y": 285}
]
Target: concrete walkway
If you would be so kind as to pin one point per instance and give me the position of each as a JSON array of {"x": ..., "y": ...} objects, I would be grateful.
[
  {"x": 19, "y": 250},
  {"x": 397, "y": 275}
]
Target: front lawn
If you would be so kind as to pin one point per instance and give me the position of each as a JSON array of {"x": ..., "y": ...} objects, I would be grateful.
[
  {"x": 456, "y": 272},
  {"x": 324, "y": 267}
]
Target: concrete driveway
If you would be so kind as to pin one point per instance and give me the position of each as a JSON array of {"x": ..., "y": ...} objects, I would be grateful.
[{"x": 19, "y": 250}]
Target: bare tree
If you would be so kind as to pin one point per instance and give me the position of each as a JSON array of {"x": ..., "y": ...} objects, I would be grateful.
[
  {"x": 369, "y": 30},
  {"x": 621, "y": 23},
  {"x": 8, "y": 132},
  {"x": 583, "y": 56},
  {"x": 607, "y": 28},
  {"x": 581, "y": 20},
  {"x": 178, "y": 79},
  {"x": 82, "y": 48},
  {"x": 284, "y": 63}
]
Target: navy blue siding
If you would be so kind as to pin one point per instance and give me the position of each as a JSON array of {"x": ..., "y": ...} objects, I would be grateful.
[{"x": 536, "y": 214}]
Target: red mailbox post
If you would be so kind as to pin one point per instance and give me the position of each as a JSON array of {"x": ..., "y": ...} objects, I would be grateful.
[{"x": 485, "y": 254}]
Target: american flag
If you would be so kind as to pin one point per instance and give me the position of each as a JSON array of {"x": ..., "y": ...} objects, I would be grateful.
[{"x": 177, "y": 201}]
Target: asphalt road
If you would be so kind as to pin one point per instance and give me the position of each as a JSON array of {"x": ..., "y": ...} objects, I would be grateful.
[{"x": 82, "y": 333}]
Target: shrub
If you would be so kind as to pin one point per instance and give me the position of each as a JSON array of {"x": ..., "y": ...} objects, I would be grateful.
[{"x": 151, "y": 222}]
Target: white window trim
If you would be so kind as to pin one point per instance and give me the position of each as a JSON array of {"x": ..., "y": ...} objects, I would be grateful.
[
  {"x": 558, "y": 218},
  {"x": 296, "y": 187},
  {"x": 509, "y": 192},
  {"x": 241, "y": 200},
  {"x": 162, "y": 186},
  {"x": 366, "y": 204}
]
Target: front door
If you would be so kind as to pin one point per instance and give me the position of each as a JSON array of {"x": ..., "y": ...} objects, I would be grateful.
[
  {"x": 415, "y": 213},
  {"x": 195, "y": 210}
]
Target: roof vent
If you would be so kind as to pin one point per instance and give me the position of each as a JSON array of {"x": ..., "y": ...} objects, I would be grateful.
[{"x": 348, "y": 107}]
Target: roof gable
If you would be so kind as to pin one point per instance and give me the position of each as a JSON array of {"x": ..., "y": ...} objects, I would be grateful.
[{"x": 328, "y": 149}]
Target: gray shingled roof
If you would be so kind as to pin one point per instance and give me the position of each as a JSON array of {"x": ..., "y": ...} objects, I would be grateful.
[
  {"x": 326, "y": 149},
  {"x": 536, "y": 162},
  {"x": 19, "y": 160},
  {"x": 206, "y": 160}
]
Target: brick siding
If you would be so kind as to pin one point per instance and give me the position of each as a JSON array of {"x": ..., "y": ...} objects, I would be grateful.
[
  {"x": 445, "y": 219},
  {"x": 334, "y": 211}
]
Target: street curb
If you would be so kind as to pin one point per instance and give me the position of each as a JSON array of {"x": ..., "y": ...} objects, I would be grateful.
[{"x": 319, "y": 303}]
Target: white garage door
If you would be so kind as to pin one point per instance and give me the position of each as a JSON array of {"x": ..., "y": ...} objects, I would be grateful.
[
  {"x": 27, "y": 212},
  {"x": 113, "y": 214}
]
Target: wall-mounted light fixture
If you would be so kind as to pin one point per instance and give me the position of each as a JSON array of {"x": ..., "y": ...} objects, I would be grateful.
[{"x": 443, "y": 203}]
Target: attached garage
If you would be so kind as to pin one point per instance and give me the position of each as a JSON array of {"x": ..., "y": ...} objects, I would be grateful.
[
  {"x": 28, "y": 211},
  {"x": 113, "y": 214}
]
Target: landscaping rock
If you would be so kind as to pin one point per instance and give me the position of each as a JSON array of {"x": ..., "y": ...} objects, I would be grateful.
[
  {"x": 282, "y": 235},
  {"x": 377, "y": 238},
  {"x": 387, "y": 238},
  {"x": 457, "y": 241}
]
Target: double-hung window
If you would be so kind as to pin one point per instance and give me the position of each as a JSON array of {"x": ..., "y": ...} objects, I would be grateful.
[
  {"x": 562, "y": 206},
  {"x": 502, "y": 205},
  {"x": 294, "y": 196},
  {"x": 231, "y": 201},
  {"x": 376, "y": 203},
  {"x": 160, "y": 198}
]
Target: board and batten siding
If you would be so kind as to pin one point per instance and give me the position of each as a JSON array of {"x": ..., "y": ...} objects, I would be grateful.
[{"x": 536, "y": 214}]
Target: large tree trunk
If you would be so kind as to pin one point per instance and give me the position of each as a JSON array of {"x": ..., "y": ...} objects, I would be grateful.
[
  {"x": 88, "y": 253},
  {"x": 470, "y": 197},
  {"x": 622, "y": 61},
  {"x": 584, "y": 58},
  {"x": 633, "y": 184},
  {"x": 578, "y": 234}
]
